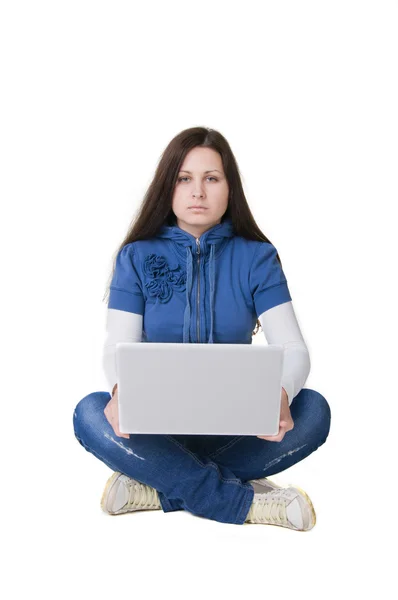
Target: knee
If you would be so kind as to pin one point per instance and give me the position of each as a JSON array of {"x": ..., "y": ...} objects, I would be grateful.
[
  {"x": 87, "y": 410},
  {"x": 318, "y": 411}
]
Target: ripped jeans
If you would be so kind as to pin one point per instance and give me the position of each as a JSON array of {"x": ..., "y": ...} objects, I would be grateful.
[{"x": 207, "y": 475}]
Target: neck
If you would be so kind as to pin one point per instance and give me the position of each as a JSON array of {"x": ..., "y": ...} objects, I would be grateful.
[{"x": 196, "y": 231}]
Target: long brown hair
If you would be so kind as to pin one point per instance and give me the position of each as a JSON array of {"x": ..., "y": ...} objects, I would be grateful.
[{"x": 156, "y": 207}]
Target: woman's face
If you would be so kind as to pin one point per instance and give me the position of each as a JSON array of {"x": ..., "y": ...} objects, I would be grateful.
[{"x": 201, "y": 181}]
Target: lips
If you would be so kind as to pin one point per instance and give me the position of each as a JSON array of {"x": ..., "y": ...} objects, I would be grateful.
[{"x": 204, "y": 207}]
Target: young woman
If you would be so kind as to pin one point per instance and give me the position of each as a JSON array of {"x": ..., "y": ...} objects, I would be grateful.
[{"x": 195, "y": 268}]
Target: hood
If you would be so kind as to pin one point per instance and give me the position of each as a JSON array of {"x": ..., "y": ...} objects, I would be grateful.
[{"x": 210, "y": 243}]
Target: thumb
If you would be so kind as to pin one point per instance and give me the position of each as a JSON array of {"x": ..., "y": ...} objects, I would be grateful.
[
  {"x": 287, "y": 425},
  {"x": 124, "y": 435}
]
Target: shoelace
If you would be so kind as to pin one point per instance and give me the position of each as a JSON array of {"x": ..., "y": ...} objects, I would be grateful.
[
  {"x": 141, "y": 496},
  {"x": 268, "y": 509}
]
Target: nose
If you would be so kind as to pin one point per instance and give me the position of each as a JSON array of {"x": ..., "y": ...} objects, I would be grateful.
[
  {"x": 198, "y": 192},
  {"x": 198, "y": 189}
]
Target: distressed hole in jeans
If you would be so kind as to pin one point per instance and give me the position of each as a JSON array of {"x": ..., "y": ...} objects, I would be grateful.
[
  {"x": 121, "y": 445},
  {"x": 276, "y": 460}
]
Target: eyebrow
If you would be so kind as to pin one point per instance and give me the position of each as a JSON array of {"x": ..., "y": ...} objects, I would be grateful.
[{"x": 211, "y": 170}]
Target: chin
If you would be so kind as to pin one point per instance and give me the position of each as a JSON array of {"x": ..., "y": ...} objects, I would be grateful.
[{"x": 204, "y": 216}]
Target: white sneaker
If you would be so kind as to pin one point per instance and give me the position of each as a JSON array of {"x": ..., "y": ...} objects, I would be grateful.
[
  {"x": 284, "y": 506},
  {"x": 123, "y": 494}
]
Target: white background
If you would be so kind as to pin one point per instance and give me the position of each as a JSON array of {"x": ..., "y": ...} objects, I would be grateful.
[{"x": 92, "y": 92}]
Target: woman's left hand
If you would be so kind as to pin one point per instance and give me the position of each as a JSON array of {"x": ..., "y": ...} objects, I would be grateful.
[{"x": 286, "y": 422}]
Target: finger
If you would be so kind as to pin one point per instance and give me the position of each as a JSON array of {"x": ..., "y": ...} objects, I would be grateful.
[
  {"x": 279, "y": 437},
  {"x": 120, "y": 434},
  {"x": 287, "y": 425},
  {"x": 270, "y": 438},
  {"x": 283, "y": 427},
  {"x": 274, "y": 438}
]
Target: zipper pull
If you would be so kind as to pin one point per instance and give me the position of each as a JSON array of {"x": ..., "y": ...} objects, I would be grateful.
[{"x": 197, "y": 246}]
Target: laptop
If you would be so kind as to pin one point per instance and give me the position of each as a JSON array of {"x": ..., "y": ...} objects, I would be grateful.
[{"x": 203, "y": 389}]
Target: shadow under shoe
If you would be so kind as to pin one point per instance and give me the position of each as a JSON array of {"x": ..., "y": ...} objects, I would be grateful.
[
  {"x": 123, "y": 494},
  {"x": 283, "y": 506}
]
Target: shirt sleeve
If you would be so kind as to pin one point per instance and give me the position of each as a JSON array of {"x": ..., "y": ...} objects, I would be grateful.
[
  {"x": 121, "y": 326},
  {"x": 267, "y": 280},
  {"x": 280, "y": 326},
  {"x": 126, "y": 287}
]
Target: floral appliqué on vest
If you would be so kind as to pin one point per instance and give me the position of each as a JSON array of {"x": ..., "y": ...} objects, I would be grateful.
[{"x": 161, "y": 278}]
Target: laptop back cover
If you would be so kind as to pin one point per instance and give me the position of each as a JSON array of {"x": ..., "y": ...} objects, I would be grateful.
[{"x": 204, "y": 389}]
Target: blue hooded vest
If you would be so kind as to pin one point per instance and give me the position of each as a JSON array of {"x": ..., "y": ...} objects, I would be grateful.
[{"x": 209, "y": 289}]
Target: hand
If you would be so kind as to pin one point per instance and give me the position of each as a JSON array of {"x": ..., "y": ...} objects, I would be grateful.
[
  {"x": 111, "y": 411},
  {"x": 286, "y": 422}
]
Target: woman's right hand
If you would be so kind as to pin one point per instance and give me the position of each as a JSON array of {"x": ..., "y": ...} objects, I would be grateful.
[{"x": 111, "y": 411}]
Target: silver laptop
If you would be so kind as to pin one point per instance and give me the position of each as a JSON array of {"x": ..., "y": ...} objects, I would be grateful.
[{"x": 204, "y": 389}]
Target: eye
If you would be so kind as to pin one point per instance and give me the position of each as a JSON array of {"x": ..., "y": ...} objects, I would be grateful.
[{"x": 209, "y": 177}]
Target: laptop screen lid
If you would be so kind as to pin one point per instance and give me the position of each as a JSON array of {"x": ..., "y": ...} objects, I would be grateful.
[{"x": 203, "y": 389}]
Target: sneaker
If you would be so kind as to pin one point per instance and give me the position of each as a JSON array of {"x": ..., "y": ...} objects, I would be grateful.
[
  {"x": 284, "y": 506},
  {"x": 123, "y": 494}
]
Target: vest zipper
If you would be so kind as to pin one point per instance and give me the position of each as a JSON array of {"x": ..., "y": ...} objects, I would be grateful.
[{"x": 197, "y": 307}]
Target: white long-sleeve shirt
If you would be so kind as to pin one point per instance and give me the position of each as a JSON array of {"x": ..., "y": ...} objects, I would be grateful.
[{"x": 279, "y": 325}]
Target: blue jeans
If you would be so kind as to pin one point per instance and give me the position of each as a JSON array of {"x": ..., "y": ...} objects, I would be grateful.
[{"x": 206, "y": 475}]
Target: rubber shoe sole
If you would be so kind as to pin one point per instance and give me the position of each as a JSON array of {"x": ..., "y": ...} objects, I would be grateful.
[{"x": 288, "y": 506}]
